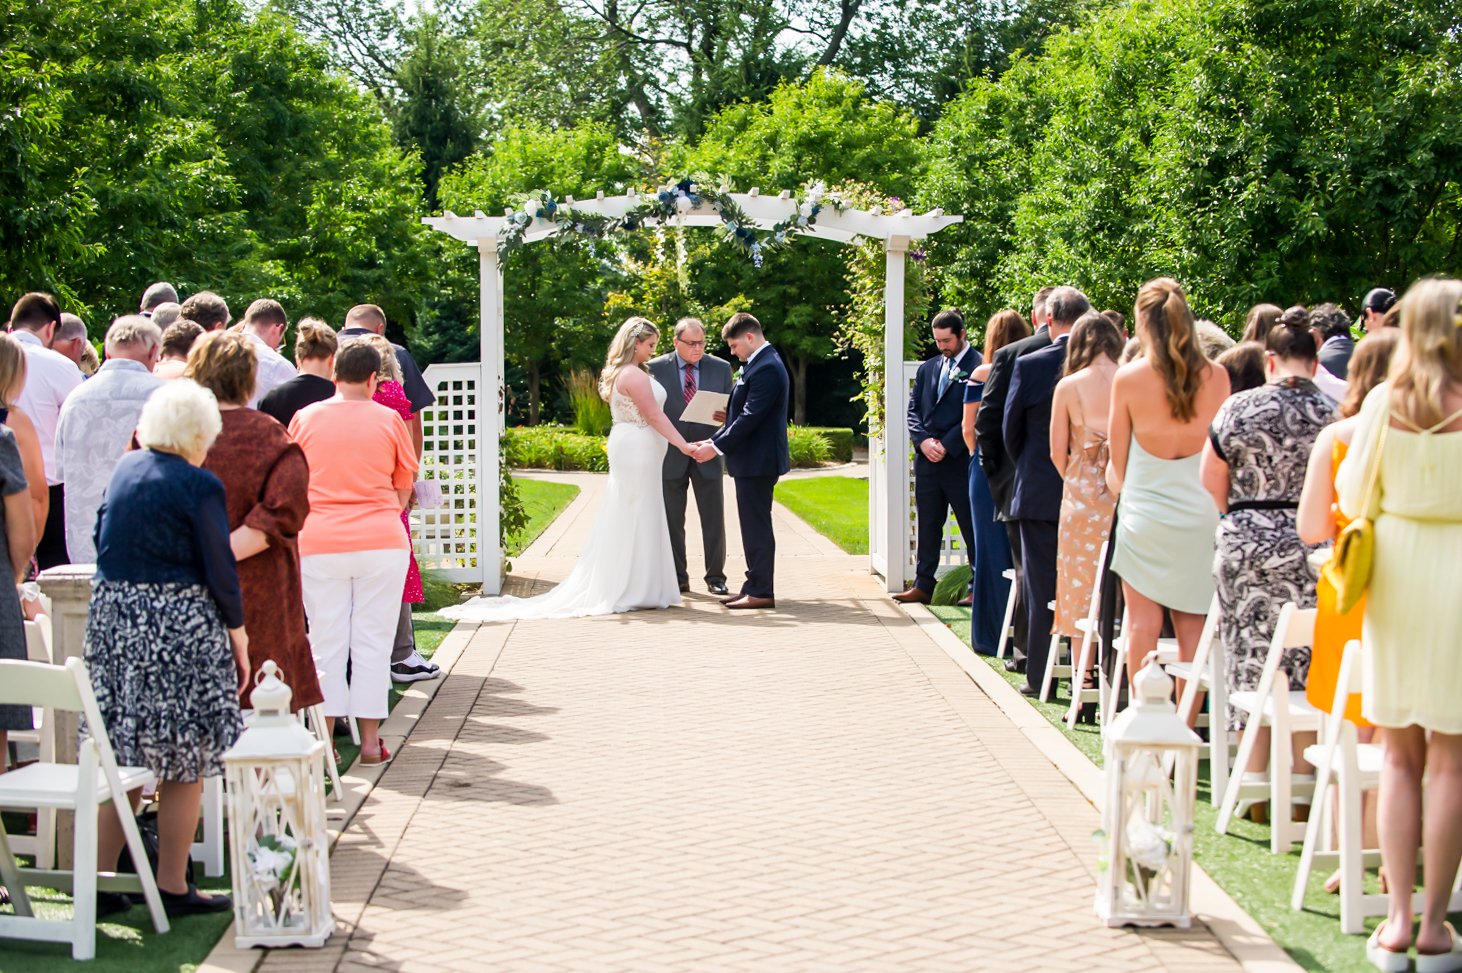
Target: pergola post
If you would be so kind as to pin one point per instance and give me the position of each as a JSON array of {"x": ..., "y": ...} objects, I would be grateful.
[
  {"x": 490, "y": 402},
  {"x": 895, "y": 418}
]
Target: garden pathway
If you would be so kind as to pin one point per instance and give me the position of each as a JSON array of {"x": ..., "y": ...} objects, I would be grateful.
[{"x": 815, "y": 788}]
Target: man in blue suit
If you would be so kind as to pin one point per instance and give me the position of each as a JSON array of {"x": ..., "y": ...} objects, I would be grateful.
[
  {"x": 941, "y": 459},
  {"x": 754, "y": 442},
  {"x": 1035, "y": 502}
]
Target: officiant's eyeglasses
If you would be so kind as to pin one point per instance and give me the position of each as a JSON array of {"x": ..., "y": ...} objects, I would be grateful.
[{"x": 692, "y": 344}]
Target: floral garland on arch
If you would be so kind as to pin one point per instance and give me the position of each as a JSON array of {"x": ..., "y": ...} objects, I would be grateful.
[{"x": 665, "y": 205}]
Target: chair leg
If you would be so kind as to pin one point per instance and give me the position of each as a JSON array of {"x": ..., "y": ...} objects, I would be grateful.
[
  {"x": 1052, "y": 652},
  {"x": 321, "y": 728},
  {"x": 1236, "y": 778},
  {"x": 145, "y": 877},
  {"x": 10, "y": 877},
  {"x": 1007, "y": 635},
  {"x": 83, "y": 858},
  {"x": 354, "y": 730},
  {"x": 1218, "y": 762},
  {"x": 211, "y": 850},
  {"x": 46, "y": 838},
  {"x": 1281, "y": 769},
  {"x": 1313, "y": 831},
  {"x": 1080, "y": 666}
]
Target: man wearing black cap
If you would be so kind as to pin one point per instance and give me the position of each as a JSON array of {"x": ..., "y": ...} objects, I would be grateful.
[{"x": 1373, "y": 309}]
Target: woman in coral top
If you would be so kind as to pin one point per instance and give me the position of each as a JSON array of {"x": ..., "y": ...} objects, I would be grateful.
[{"x": 353, "y": 552}]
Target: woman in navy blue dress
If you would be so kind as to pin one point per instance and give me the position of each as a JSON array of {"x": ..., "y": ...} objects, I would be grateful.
[{"x": 990, "y": 559}]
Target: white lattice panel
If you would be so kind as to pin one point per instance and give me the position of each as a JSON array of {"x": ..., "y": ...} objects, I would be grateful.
[
  {"x": 952, "y": 549},
  {"x": 446, "y": 537}
]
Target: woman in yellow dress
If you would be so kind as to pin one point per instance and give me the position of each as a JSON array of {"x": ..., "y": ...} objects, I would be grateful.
[{"x": 1411, "y": 433}]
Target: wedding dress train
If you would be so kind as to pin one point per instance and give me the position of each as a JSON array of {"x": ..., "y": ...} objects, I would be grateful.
[{"x": 626, "y": 562}]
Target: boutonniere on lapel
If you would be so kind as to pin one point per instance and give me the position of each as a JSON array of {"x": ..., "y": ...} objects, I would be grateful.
[
  {"x": 736, "y": 377},
  {"x": 958, "y": 375}
]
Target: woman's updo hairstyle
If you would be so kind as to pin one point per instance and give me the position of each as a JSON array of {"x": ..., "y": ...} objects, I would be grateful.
[
  {"x": 1170, "y": 343},
  {"x": 1291, "y": 337}
]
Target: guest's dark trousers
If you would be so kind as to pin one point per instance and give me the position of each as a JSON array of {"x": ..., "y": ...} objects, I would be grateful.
[
  {"x": 1018, "y": 619},
  {"x": 405, "y": 642},
  {"x": 1038, "y": 583},
  {"x": 710, "y": 506},
  {"x": 754, "y": 510},
  {"x": 51, "y": 550},
  {"x": 935, "y": 495}
]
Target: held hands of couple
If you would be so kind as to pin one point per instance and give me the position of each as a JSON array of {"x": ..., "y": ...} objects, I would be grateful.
[
  {"x": 700, "y": 452},
  {"x": 932, "y": 449}
]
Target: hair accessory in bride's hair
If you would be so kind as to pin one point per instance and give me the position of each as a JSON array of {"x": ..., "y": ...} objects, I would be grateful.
[{"x": 641, "y": 330}]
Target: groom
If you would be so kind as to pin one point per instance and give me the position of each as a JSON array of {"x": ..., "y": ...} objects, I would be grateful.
[{"x": 754, "y": 442}]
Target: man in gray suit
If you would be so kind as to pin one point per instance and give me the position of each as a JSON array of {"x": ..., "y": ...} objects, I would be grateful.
[{"x": 683, "y": 372}]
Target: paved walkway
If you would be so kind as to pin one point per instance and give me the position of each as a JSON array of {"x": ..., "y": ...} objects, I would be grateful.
[{"x": 817, "y": 788}]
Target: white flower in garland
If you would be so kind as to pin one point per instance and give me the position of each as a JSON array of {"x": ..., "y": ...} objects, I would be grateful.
[{"x": 533, "y": 207}]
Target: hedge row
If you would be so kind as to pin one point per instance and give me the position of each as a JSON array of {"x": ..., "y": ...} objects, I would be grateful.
[{"x": 553, "y": 447}]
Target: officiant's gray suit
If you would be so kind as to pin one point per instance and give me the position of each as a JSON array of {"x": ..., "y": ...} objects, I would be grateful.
[{"x": 681, "y": 472}]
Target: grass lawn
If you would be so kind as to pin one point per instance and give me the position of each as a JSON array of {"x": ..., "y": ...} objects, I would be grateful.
[
  {"x": 544, "y": 501},
  {"x": 1240, "y": 861},
  {"x": 835, "y": 506}
]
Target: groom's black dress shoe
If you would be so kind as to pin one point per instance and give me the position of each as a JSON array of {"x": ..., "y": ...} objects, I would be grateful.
[
  {"x": 717, "y": 588},
  {"x": 685, "y": 587}
]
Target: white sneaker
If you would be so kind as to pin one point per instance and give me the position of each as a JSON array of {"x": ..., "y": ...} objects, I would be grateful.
[{"x": 414, "y": 668}]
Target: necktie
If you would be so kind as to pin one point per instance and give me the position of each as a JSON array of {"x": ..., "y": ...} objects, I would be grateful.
[
  {"x": 943, "y": 377},
  {"x": 689, "y": 383}
]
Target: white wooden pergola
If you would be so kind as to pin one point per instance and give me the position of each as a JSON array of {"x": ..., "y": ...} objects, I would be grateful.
[{"x": 475, "y": 512}]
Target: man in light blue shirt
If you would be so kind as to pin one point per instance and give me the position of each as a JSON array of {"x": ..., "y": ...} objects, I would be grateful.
[{"x": 96, "y": 425}]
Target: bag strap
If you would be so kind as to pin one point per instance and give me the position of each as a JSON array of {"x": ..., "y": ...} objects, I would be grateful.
[{"x": 1372, "y": 500}]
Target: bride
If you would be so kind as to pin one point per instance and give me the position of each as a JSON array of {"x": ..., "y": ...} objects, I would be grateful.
[{"x": 626, "y": 563}]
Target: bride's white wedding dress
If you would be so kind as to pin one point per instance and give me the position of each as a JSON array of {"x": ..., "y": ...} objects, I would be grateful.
[{"x": 626, "y": 563}]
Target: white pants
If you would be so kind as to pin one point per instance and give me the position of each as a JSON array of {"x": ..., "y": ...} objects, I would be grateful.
[{"x": 352, "y": 601}]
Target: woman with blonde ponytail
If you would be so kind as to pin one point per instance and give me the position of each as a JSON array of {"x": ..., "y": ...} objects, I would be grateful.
[
  {"x": 1162, "y": 404},
  {"x": 1409, "y": 439},
  {"x": 626, "y": 563}
]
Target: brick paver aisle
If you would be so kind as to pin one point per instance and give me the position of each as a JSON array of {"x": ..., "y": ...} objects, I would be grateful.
[{"x": 817, "y": 788}]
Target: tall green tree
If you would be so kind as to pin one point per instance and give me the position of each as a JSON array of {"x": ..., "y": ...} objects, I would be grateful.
[
  {"x": 827, "y": 130},
  {"x": 1292, "y": 151},
  {"x": 555, "y": 293},
  {"x": 202, "y": 143}
]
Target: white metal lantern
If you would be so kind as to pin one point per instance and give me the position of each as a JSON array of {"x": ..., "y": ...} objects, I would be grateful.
[
  {"x": 1148, "y": 819},
  {"x": 276, "y": 803}
]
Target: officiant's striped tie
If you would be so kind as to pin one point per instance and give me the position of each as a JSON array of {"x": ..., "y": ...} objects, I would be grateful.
[{"x": 689, "y": 383}]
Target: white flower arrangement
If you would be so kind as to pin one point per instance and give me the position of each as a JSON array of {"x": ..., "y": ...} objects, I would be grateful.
[
  {"x": 1149, "y": 846},
  {"x": 271, "y": 859}
]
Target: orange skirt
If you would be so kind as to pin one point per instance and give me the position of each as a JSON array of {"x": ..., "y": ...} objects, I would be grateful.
[{"x": 1332, "y": 631}]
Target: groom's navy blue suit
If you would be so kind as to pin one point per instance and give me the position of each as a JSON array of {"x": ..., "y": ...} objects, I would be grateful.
[{"x": 754, "y": 442}]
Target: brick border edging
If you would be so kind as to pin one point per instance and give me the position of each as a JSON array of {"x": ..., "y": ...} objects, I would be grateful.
[
  {"x": 1234, "y": 928},
  {"x": 357, "y": 782}
]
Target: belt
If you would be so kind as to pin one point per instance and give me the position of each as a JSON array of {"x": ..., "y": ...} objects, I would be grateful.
[{"x": 1263, "y": 505}]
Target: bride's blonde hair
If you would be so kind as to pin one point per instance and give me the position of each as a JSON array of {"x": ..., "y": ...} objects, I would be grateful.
[{"x": 622, "y": 352}]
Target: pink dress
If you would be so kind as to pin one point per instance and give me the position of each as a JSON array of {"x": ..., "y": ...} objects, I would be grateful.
[{"x": 392, "y": 395}]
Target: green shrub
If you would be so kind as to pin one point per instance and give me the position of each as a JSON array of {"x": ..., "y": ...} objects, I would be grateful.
[
  {"x": 591, "y": 412},
  {"x": 840, "y": 442},
  {"x": 808, "y": 447},
  {"x": 550, "y": 447}
]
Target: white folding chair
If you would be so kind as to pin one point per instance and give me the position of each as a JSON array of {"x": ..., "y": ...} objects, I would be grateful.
[
  {"x": 1007, "y": 624},
  {"x": 1055, "y": 668},
  {"x": 42, "y": 845},
  {"x": 210, "y": 849},
  {"x": 1206, "y": 673},
  {"x": 315, "y": 721},
  {"x": 1082, "y": 658},
  {"x": 94, "y": 780},
  {"x": 1167, "y": 654},
  {"x": 1285, "y": 712},
  {"x": 1350, "y": 767}
]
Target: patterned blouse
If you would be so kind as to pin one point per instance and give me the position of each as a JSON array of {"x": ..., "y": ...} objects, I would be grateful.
[{"x": 1265, "y": 435}]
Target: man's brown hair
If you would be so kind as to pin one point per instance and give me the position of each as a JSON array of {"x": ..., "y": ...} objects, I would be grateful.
[
  {"x": 34, "y": 311},
  {"x": 740, "y": 324},
  {"x": 356, "y": 363},
  {"x": 208, "y": 309},
  {"x": 265, "y": 311}
]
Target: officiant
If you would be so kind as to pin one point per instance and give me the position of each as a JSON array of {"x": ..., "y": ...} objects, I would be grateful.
[{"x": 683, "y": 372}]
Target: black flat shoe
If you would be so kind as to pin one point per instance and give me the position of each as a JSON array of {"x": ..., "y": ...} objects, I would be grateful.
[
  {"x": 1015, "y": 665},
  {"x": 191, "y": 903},
  {"x": 717, "y": 589},
  {"x": 1029, "y": 691},
  {"x": 112, "y": 903}
]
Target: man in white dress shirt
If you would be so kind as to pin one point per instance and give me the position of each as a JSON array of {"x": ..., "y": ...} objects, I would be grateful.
[
  {"x": 264, "y": 324},
  {"x": 50, "y": 377},
  {"x": 97, "y": 422}
]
